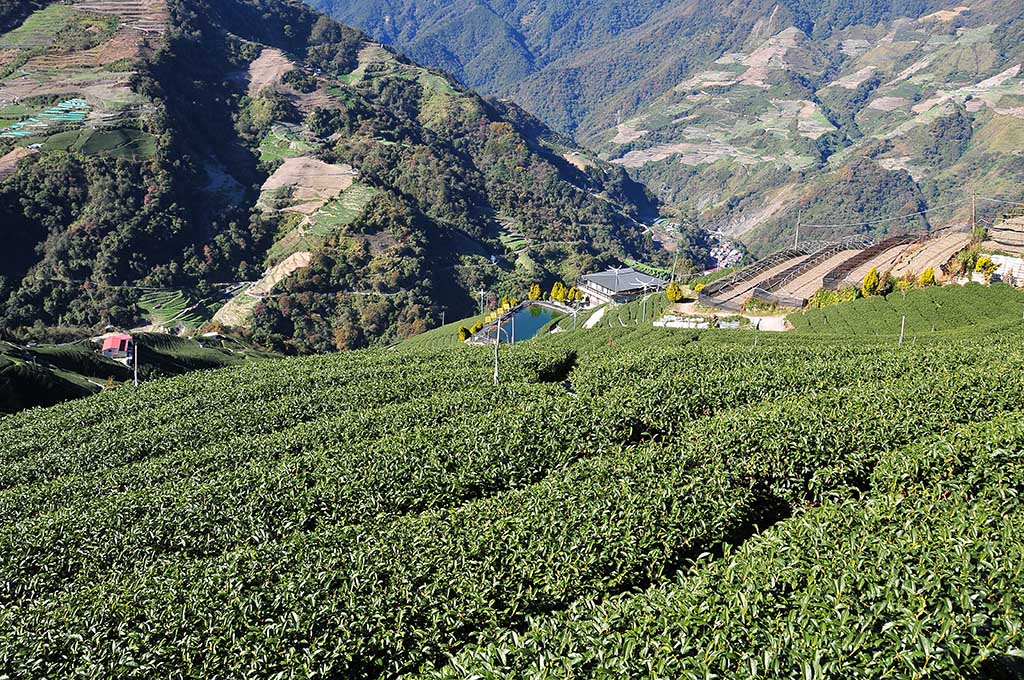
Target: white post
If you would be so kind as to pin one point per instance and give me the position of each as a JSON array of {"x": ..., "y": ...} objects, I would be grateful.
[
  {"x": 497, "y": 336},
  {"x": 135, "y": 356},
  {"x": 903, "y": 326},
  {"x": 513, "y": 329}
]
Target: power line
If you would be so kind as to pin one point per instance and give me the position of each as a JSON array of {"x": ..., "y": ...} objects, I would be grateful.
[
  {"x": 887, "y": 219},
  {"x": 998, "y": 200}
]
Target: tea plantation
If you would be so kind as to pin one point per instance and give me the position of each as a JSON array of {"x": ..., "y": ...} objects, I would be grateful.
[{"x": 628, "y": 502}]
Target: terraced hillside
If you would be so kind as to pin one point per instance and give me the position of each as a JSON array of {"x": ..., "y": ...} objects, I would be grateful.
[
  {"x": 917, "y": 312},
  {"x": 42, "y": 375},
  {"x": 749, "y": 117},
  {"x": 626, "y": 503},
  {"x": 844, "y": 131},
  {"x": 154, "y": 148},
  {"x": 791, "y": 277}
]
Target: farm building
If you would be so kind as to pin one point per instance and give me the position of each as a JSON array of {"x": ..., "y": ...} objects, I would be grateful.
[
  {"x": 117, "y": 346},
  {"x": 618, "y": 285}
]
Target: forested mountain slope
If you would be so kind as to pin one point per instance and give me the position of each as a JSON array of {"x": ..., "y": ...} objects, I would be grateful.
[
  {"x": 747, "y": 115},
  {"x": 577, "y": 63},
  {"x": 258, "y": 151},
  {"x": 868, "y": 122}
]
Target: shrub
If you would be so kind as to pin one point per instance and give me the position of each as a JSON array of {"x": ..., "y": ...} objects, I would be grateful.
[
  {"x": 872, "y": 283},
  {"x": 674, "y": 293},
  {"x": 986, "y": 267},
  {"x": 927, "y": 278}
]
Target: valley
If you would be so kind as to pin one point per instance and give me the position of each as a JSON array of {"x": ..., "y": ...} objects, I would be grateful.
[{"x": 748, "y": 119}]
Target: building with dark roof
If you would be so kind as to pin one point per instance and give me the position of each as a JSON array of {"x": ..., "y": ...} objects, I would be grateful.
[{"x": 618, "y": 285}]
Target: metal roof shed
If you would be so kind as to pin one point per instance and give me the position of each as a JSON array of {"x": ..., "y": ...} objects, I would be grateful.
[{"x": 619, "y": 284}]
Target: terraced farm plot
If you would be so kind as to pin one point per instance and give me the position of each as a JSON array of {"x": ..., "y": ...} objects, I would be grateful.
[
  {"x": 308, "y": 183},
  {"x": 362, "y": 495},
  {"x": 268, "y": 69},
  {"x": 119, "y": 143},
  {"x": 928, "y": 311},
  {"x": 649, "y": 269},
  {"x": 935, "y": 253},
  {"x": 808, "y": 283},
  {"x": 513, "y": 240},
  {"x": 173, "y": 309},
  {"x": 144, "y": 16},
  {"x": 71, "y": 112},
  {"x": 40, "y": 29},
  {"x": 341, "y": 211},
  {"x": 282, "y": 143}
]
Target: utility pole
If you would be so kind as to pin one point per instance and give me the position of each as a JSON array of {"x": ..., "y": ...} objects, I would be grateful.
[
  {"x": 135, "y": 358},
  {"x": 974, "y": 211},
  {"x": 442, "y": 317},
  {"x": 903, "y": 327},
  {"x": 482, "y": 291},
  {"x": 497, "y": 339},
  {"x": 799, "y": 218}
]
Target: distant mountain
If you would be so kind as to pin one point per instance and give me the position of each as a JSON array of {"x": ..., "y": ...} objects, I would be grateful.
[
  {"x": 577, "y": 64},
  {"x": 745, "y": 115},
  {"x": 869, "y": 122},
  {"x": 165, "y": 162}
]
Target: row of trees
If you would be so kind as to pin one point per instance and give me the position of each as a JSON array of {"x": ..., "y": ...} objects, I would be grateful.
[
  {"x": 559, "y": 292},
  {"x": 881, "y": 284}
]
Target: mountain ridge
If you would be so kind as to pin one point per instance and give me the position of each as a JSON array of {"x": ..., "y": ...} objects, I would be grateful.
[
  {"x": 194, "y": 157},
  {"x": 774, "y": 137}
]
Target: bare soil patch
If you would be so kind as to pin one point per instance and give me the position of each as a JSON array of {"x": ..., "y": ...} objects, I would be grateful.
[
  {"x": 268, "y": 69},
  {"x": 579, "y": 160},
  {"x": 855, "y": 80},
  {"x": 944, "y": 15},
  {"x": 280, "y": 272},
  {"x": 145, "y": 16},
  {"x": 935, "y": 253},
  {"x": 626, "y": 133},
  {"x": 888, "y": 103},
  {"x": 9, "y": 163},
  {"x": 311, "y": 181},
  {"x": 690, "y": 154}
]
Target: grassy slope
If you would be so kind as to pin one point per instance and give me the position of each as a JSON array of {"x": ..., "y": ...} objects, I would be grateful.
[
  {"x": 44, "y": 375},
  {"x": 926, "y": 311},
  {"x": 362, "y": 495}
]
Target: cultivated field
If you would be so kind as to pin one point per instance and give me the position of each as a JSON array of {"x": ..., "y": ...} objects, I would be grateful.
[{"x": 646, "y": 487}]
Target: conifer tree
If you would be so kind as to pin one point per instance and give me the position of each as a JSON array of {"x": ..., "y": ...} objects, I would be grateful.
[
  {"x": 871, "y": 283},
  {"x": 674, "y": 293}
]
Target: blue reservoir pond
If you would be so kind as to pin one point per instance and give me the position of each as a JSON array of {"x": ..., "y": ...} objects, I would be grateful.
[{"x": 527, "y": 321}]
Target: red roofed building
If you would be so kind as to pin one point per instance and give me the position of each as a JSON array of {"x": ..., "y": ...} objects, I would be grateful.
[{"x": 117, "y": 346}]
